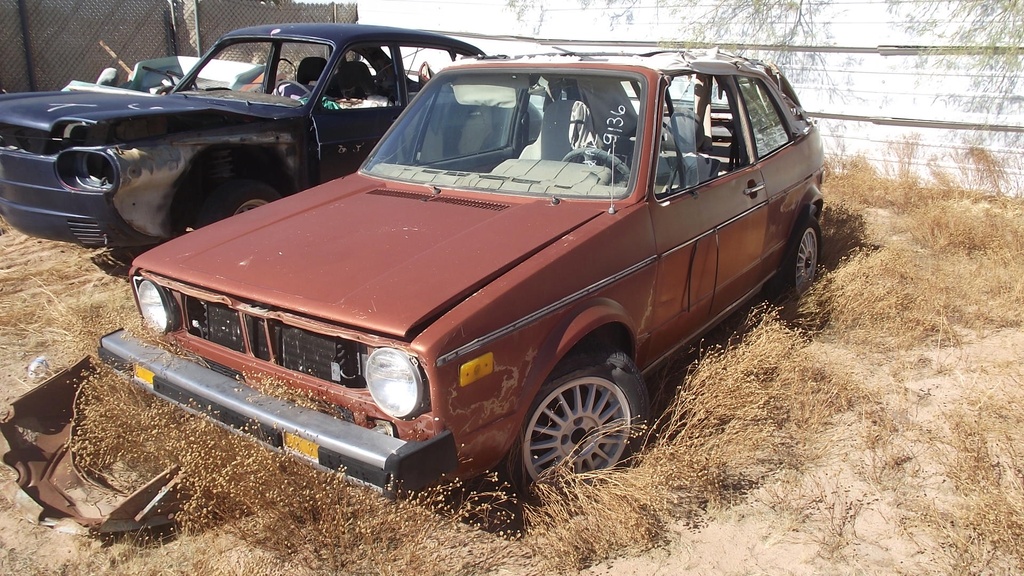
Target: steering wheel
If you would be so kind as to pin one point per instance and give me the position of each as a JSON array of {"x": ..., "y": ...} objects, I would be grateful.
[
  {"x": 291, "y": 88},
  {"x": 602, "y": 157}
]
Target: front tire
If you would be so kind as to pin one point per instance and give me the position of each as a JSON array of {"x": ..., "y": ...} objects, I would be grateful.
[
  {"x": 234, "y": 197},
  {"x": 589, "y": 413}
]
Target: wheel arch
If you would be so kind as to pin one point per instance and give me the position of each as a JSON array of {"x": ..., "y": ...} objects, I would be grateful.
[
  {"x": 813, "y": 199},
  {"x": 612, "y": 334},
  {"x": 217, "y": 164},
  {"x": 596, "y": 323},
  {"x": 779, "y": 284},
  {"x": 599, "y": 325},
  {"x": 812, "y": 203}
]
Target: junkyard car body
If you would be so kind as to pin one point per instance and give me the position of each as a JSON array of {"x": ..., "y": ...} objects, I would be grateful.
[
  {"x": 305, "y": 104},
  {"x": 530, "y": 235},
  {"x": 155, "y": 76}
]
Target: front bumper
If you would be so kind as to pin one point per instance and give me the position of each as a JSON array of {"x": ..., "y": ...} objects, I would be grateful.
[
  {"x": 366, "y": 457},
  {"x": 33, "y": 201}
]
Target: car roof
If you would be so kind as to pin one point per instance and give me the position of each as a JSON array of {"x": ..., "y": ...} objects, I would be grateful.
[
  {"x": 344, "y": 33},
  {"x": 713, "y": 61}
]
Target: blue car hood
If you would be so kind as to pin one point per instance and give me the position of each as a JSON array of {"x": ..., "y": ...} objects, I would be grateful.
[{"x": 42, "y": 110}]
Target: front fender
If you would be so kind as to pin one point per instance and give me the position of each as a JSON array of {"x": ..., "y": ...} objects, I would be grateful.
[
  {"x": 147, "y": 186},
  {"x": 575, "y": 325}
]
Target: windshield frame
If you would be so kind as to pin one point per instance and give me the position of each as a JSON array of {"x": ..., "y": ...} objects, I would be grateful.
[
  {"x": 188, "y": 84},
  {"x": 638, "y": 83}
]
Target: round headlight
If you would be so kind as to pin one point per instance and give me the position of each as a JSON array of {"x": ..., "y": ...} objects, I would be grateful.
[
  {"x": 394, "y": 382},
  {"x": 154, "y": 308}
]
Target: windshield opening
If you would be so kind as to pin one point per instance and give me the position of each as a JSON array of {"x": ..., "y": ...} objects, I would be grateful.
[
  {"x": 277, "y": 72},
  {"x": 569, "y": 135}
]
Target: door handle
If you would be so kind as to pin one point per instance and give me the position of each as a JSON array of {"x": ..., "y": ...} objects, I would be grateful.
[{"x": 753, "y": 188}]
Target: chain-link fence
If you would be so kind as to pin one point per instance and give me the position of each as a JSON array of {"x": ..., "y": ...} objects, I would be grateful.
[{"x": 54, "y": 41}]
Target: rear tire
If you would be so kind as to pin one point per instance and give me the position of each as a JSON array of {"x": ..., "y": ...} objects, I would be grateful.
[
  {"x": 234, "y": 197},
  {"x": 590, "y": 411},
  {"x": 800, "y": 265}
]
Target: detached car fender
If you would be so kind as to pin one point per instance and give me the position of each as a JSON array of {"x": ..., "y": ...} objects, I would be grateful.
[{"x": 50, "y": 489}]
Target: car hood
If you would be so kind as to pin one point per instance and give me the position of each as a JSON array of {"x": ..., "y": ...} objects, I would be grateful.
[
  {"x": 382, "y": 260},
  {"x": 42, "y": 110}
]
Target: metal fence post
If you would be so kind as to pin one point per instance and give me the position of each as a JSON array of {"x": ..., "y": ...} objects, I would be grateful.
[
  {"x": 195, "y": 14},
  {"x": 27, "y": 43},
  {"x": 173, "y": 24}
]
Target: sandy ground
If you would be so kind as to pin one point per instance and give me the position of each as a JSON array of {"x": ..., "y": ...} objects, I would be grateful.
[
  {"x": 862, "y": 507},
  {"x": 858, "y": 510}
]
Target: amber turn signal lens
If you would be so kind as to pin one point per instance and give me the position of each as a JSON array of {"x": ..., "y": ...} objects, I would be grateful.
[{"x": 476, "y": 369}]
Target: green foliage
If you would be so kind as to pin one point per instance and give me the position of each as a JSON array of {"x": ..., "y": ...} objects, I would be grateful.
[
  {"x": 984, "y": 37},
  {"x": 981, "y": 35}
]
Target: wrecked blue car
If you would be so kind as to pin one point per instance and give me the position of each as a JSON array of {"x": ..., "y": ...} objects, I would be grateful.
[{"x": 302, "y": 104}]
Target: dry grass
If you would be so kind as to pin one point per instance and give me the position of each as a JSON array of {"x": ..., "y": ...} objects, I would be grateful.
[
  {"x": 811, "y": 425},
  {"x": 980, "y": 169},
  {"x": 949, "y": 268},
  {"x": 952, "y": 260},
  {"x": 742, "y": 414},
  {"x": 982, "y": 525},
  {"x": 306, "y": 519},
  {"x": 845, "y": 231},
  {"x": 54, "y": 301}
]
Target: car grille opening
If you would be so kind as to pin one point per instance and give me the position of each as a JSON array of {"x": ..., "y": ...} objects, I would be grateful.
[
  {"x": 224, "y": 328},
  {"x": 27, "y": 139},
  {"x": 325, "y": 357}
]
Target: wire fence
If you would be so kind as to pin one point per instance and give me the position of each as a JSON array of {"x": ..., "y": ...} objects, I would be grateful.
[
  {"x": 887, "y": 105},
  {"x": 52, "y": 42},
  {"x": 867, "y": 99}
]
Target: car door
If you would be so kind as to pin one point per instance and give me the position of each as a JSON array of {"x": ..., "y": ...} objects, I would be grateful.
[
  {"x": 370, "y": 85},
  {"x": 736, "y": 198},
  {"x": 355, "y": 107},
  {"x": 705, "y": 212}
]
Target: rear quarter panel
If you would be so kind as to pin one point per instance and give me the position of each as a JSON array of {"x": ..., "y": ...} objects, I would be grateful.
[{"x": 794, "y": 175}]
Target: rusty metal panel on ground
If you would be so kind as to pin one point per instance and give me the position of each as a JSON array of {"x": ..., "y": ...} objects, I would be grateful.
[{"x": 50, "y": 489}]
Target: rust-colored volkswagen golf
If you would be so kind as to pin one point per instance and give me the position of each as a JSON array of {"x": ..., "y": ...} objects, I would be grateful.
[{"x": 530, "y": 237}]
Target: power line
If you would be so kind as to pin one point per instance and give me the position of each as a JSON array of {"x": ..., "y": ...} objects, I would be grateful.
[
  {"x": 973, "y": 96},
  {"x": 919, "y": 123},
  {"x": 882, "y": 50},
  {"x": 930, "y": 74}
]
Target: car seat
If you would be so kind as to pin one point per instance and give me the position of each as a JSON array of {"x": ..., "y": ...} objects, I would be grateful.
[
  {"x": 564, "y": 127},
  {"x": 688, "y": 137},
  {"x": 310, "y": 69},
  {"x": 353, "y": 80}
]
